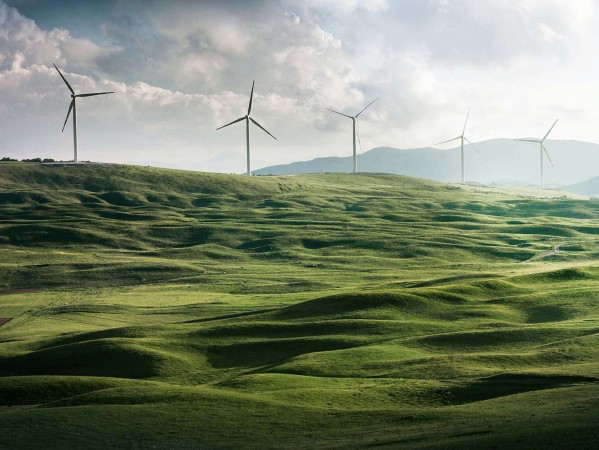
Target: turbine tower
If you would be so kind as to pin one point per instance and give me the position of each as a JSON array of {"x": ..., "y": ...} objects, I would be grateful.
[
  {"x": 73, "y": 107},
  {"x": 247, "y": 119},
  {"x": 542, "y": 149},
  {"x": 353, "y": 118},
  {"x": 462, "y": 138}
]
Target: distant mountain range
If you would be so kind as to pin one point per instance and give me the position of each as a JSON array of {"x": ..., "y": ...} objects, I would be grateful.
[
  {"x": 503, "y": 161},
  {"x": 589, "y": 187}
]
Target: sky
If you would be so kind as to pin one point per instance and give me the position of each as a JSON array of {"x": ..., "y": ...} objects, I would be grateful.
[{"x": 180, "y": 69}]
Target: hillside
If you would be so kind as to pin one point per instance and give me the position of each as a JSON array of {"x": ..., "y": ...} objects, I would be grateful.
[
  {"x": 503, "y": 161},
  {"x": 155, "y": 308},
  {"x": 589, "y": 187}
]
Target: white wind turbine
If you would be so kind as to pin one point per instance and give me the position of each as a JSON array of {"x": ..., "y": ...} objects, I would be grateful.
[
  {"x": 247, "y": 119},
  {"x": 73, "y": 107},
  {"x": 353, "y": 118},
  {"x": 462, "y": 138},
  {"x": 542, "y": 149}
]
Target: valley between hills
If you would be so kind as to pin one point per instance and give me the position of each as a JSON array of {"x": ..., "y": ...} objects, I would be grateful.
[{"x": 155, "y": 308}]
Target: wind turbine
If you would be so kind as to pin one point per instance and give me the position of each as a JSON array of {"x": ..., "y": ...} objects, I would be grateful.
[
  {"x": 542, "y": 149},
  {"x": 353, "y": 118},
  {"x": 73, "y": 107},
  {"x": 462, "y": 138},
  {"x": 247, "y": 119}
]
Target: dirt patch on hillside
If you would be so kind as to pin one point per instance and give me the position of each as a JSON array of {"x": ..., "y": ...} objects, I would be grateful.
[
  {"x": 3, "y": 321},
  {"x": 18, "y": 291}
]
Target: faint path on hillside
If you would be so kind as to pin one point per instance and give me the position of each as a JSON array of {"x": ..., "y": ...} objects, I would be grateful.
[{"x": 555, "y": 251}]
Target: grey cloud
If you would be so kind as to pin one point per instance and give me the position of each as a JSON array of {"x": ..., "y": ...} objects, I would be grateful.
[{"x": 182, "y": 68}]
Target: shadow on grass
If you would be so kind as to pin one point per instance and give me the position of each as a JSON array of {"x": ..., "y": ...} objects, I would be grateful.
[{"x": 510, "y": 384}]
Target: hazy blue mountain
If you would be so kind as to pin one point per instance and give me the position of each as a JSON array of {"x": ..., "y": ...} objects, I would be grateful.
[
  {"x": 589, "y": 187},
  {"x": 503, "y": 161}
]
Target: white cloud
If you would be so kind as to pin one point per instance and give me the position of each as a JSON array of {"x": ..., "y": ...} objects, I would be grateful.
[
  {"x": 20, "y": 35},
  {"x": 180, "y": 70},
  {"x": 350, "y": 6}
]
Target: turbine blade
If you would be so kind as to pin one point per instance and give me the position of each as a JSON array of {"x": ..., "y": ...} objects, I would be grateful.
[
  {"x": 251, "y": 96},
  {"x": 235, "y": 121},
  {"x": 450, "y": 140},
  {"x": 65, "y": 80},
  {"x": 68, "y": 114},
  {"x": 358, "y": 134},
  {"x": 547, "y": 153},
  {"x": 263, "y": 129},
  {"x": 95, "y": 93},
  {"x": 366, "y": 107},
  {"x": 341, "y": 114},
  {"x": 550, "y": 130},
  {"x": 467, "y": 115},
  {"x": 528, "y": 140},
  {"x": 475, "y": 147}
]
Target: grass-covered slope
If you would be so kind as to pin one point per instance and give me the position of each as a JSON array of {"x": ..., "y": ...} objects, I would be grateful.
[{"x": 167, "y": 309}]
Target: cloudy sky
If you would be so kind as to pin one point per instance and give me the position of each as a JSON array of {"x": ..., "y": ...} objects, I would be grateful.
[{"x": 180, "y": 69}]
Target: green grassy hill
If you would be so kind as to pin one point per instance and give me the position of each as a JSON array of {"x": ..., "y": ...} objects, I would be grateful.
[{"x": 155, "y": 308}]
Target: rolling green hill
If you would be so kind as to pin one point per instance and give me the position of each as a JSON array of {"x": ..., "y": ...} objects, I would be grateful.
[{"x": 155, "y": 308}]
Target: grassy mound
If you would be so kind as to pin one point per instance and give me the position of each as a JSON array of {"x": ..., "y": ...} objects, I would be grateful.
[{"x": 173, "y": 309}]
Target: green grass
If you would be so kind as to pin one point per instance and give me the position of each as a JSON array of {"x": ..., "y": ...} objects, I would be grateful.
[{"x": 156, "y": 308}]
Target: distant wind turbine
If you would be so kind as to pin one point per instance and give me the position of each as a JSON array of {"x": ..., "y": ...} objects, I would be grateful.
[
  {"x": 462, "y": 138},
  {"x": 353, "y": 118},
  {"x": 247, "y": 119},
  {"x": 542, "y": 149},
  {"x": 73, "y": 107}
]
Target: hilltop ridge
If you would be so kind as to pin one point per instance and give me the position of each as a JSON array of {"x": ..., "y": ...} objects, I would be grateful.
[
  {"x": 165, "y": 307},
  {"x": 503, "y": 161}
]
